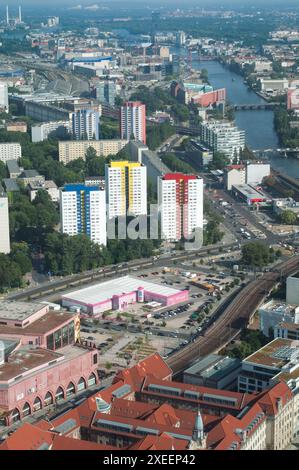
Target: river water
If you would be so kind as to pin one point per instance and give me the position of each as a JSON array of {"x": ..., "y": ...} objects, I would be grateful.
[{"x": 260, "y": 133}]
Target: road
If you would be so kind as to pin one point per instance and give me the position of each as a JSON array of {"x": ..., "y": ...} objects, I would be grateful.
[
  {"x": 233, "y": 317},
  {"x": 109, "y": 272}
]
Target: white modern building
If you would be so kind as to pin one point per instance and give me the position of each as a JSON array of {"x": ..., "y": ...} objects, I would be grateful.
[
  {"x": 126, "y": 189},
  {"x": 293, "y": 290},
  {"x": 274, "y": 312},
  {"x": 234, "y": 175},
  {"x": 133, "y": 121},
  {"x": 224, "y": 137},
  {"x": 256, "y": 172},
  {"x": 10, "y": 151},
  {"x": 4, "y": 97},
  {"x": 83, "y": 211},
  {"x": 180, "y": 200},
  {"x": 4, "y": 225},
  {"x": 85, "y": 124},
  {"x": 40, "y": 132}
]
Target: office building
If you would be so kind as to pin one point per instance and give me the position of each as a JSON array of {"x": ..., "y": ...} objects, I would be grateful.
[
  {"x": 4, "y": 97},
  {"x": 10, "y": 151},
  {"x": 85, "y": 125},
  {"x": 106, "y": 92},
  {"x": 274, "y": 312},
  {"x": 83, "y": 211},
  {"x": 180, "y": 200},
  {"x": 72, "y": 149},
  {"x": 293, "y": 290},
  {"x": 4, "y": 218},
  {"x": 44, "y": 130},
  {"x": 224, "y": 137},
  {"x": 133, "y": 121},
  {"x": 263, "y": 367},
  {"x": 126, "y": 189}
]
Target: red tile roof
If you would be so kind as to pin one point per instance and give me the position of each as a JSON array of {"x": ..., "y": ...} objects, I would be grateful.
[
  {"x": 161, "y": 442},
  {"x": 67, "y": 443},
  {"x": 28, "y": 437}
]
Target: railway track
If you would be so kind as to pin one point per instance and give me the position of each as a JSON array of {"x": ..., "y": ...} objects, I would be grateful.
[{"x": 235, "y": 317}]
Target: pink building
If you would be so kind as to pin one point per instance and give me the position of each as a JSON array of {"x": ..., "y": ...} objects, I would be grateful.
[
  {"x": 210, "y": 98},
  {"x": 117, "y": 294},
  {"x": 34, "y": 379},
  {"x": 34, "y": 324}
]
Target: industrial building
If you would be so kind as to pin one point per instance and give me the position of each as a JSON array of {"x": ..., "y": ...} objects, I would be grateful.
[{"x": 118, "y": 294}]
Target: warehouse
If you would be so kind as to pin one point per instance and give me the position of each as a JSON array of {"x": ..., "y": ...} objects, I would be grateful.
[{"x": 118, "y": 294}]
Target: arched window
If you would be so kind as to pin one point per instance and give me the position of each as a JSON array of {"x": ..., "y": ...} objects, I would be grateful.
[
  {"x": 15, "y": 415},
  {"x": 48, "y": 399},
  {"x": 81, "y": 384},
  {"x": 26, "y": 410},
  {"x": 37, "y": 404},
  {"x": 70, "y": 390},
  {"x": 91, "y": 380},
  {"x": 59, "y": 395}
]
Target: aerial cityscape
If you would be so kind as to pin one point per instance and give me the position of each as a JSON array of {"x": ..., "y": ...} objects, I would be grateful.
[{"x": 149, "y": 227}]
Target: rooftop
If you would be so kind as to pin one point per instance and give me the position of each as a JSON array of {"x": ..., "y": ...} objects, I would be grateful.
[
  {"x": 277, "y": 353},
  {"x": 11, "y": 184},
  {"x": 24, "y": 361},
  {"x": 123, "y": 285},
  {"x": 280, "y": 307},
  {"x": 213, "y": 366},
  {"x": 17, "y": 310},
  {"x": 48, "y": 322}
]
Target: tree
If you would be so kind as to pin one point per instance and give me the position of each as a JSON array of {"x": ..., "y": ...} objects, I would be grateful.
[
  {"x": 288, "y": 217},
  {"x": 256, "y": 254}
]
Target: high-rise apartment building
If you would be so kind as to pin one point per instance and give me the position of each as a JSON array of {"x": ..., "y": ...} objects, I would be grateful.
[
  {"x": 44, "y": 130},
  {"x": 83, "y": 211},
  {"x": 106, "y": 92},
  {"x": 4, "y": 225},
  {"x": 126, "y": 190},
  {"x": 85, "y": 124},
  {"x": 4, "y": 96},
  {"x": 180, "y": 199},
  {"x": 133, "y": 121}
]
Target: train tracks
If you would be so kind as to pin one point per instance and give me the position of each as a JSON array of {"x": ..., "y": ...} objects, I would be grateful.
[{"x": 235, "y": 317}]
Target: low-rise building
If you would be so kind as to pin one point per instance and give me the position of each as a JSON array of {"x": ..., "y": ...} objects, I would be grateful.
[
  {"x": 289, "y": 204},
  {"x": 234, "y": 175},
  {"x": 49, "y": 186},
  {"x": 274, "y": 312},
  {"x": 119, "y": 294},
  {"x": 248, "y": 194},
  {"x": 13, "y": 169},
  {"x": 262, "y": 366},
  {"x": 213, "y": 371},
  {"x": 16, "y": 126}
]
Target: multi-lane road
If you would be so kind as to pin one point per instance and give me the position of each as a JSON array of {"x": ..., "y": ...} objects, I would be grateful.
[{"x": 109, "y": 272}]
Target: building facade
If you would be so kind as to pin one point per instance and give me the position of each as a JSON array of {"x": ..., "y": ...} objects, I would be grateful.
[
  {"x": 223, "y": 137},
  {"x": 4, "y": 97},
  {"x": 180, "y": 200},
  {"x": 133, "y": 121},
  {"x": 106, "y": 92},
  {"x": 10, "y": 151},
  {"x": 85, "y": 125},
  {"x": 83, "y": 211},
  {"x": 126, "y": 189},
  {"x": 4, "y": 232},
  {"x": 71, "y": 150},
  {"x": 42, "y": 131}
]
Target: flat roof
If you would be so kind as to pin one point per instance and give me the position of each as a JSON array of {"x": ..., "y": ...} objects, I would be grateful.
[
  {"x": 279, "y": 307},
  {"x": 277, "y": 353},
  {"x": 248, "y": 191},
  {"x": 17, "y": 310},
  {"x": 214, "y": 366},
  {"x": 47, "y": 322},
  {"x": 123, "y": 285},
  {"x": 26, "y": 359}
]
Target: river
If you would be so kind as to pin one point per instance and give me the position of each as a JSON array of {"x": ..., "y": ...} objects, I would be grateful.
[{"x": 258, "y": 125}]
